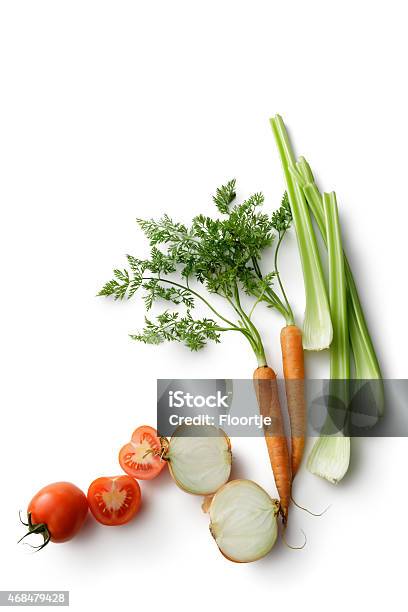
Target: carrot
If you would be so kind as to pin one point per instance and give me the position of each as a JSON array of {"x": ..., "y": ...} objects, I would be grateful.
[
  {"x": 266, "y": 389},
  {"x": 294, "y": 373}
]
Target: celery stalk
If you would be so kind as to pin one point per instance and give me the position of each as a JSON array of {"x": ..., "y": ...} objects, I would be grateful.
[
  {"x": 317, "y": 327},
  {"x": 340, "y": 349},
  {"x": 330, "y": 456},
  {"x": 365, "y": 359}
]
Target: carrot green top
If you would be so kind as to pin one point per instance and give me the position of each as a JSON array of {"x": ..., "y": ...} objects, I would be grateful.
[{"x": 212, "y": 256}]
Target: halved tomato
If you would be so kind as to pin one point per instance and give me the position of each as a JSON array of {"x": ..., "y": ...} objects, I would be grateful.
[
  {"x": 141, "y": 458},
  {"x": 114, "y": 501}
]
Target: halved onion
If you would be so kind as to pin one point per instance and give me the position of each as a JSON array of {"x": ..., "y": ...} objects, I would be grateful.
[
  {"x": 243, "y": 521},
  {"x": 199, "y": 458}
]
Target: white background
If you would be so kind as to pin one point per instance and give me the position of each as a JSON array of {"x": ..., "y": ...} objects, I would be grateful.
[{"x": 115, "y": 110}]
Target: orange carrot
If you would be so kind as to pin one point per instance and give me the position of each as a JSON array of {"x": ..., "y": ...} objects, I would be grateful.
[
  {"x": 294, "y": 373},
  {"x": 266, "y": 389}
]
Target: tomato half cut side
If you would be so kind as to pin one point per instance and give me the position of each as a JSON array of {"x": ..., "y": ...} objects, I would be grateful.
[
  {"x": 114, "y": 500},
  {"x": 140, "y": 457}
]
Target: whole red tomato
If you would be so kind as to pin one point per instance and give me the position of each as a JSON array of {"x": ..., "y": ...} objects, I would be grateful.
[{"x": 57, "y": 512}]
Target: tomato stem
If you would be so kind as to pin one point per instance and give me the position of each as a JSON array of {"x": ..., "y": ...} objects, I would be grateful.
[
  {"x": 164, "y": 448},
  {"x": 36, "y": 528},
  {"x": 159, "y": 453}
]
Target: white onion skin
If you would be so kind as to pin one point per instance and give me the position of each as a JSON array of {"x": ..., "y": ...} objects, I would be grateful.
[
  {"x": 274, "y": 508},
  {"x": 172, "y": 471}
]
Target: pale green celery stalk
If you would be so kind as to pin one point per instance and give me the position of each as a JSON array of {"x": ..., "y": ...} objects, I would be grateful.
[
  {"x": 330, "y": 456},
  {"x": 340, "y": 348},
  {"x": 365, "y": 359},
  {"x": 317, "y": 327}
]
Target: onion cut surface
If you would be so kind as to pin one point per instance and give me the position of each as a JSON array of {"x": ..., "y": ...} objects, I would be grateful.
[
  {"x": 243, "y": 521},
  {"x": 199, "y": 459}
]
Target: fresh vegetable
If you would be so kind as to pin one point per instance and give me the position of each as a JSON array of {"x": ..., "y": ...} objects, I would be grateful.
[
  {"x": 339, "y": 350},
  {"x": 366, "y": 366},
  {"x": 330, "y": 456},
  {"x": 219, "y": 256},
  {"x": 294, "y": 373},
  {"x": 57, "y": 512},
  {"x": 140, "y": 457},
  {"x": 115, "y": 500},
  {"x": 317, "y": 327},
  {"x": 199, "y": 458},
  {"x": 335, "y": 453},
  {"x": 243, "y": 521},
  {"x": 291, "y": 349},
  {"x": 268, "y": 399}
]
